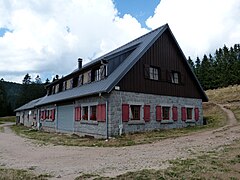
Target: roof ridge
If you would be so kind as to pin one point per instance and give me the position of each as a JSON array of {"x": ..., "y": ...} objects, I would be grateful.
[{"x": 150, "y": 32}]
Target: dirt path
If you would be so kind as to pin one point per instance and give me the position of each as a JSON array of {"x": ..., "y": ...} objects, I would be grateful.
[{"x": 69, "y": 162}]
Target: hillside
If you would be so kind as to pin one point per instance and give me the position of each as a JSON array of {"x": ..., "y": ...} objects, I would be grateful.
[
  {"x": 229, "y": 96},
  {"x": 13, "y": 95}
]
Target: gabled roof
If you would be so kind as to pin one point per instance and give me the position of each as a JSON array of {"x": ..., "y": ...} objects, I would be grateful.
[
  {"x": 29, "y": 105},
  {"x": 139, "y": 46}
]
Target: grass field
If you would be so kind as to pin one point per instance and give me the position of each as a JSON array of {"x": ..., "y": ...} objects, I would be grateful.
[
  {"x": 225, "y": 95},
  {"x": 7, "y": 119},
  {"x": 223, "y": 164}
]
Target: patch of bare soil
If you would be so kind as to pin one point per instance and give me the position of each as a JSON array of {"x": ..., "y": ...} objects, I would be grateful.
[{"x": 69, "y": 162}]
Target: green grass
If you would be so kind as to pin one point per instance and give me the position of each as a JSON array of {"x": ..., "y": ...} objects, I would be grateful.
[
  {"x": 215, "y": 118},
  {"x": 13, "y": 174},
  {"x": 224, "y": 164},
  {"x": 8, "y": 119}
]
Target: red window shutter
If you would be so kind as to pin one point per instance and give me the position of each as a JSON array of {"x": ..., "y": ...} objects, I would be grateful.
[
  {"x": 99, "y": 112},
  {"x": 77, "y": 113},
  {"x": 158, "y": 113},
  {"x": 103, "y": 109},
  {"x": 125, "y": 112},
  {"x": 147, "y": 113},
  {"x": 196, "y": 112},
  {"x": 175, "y": 113},
  {"x": 53, "y": 114},
  {"x": 44, "y": 115},
  {"x": 184, "y": 114}
]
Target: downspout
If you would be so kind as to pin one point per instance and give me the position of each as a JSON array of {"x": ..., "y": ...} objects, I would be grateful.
[
  {"x": 107, "y": 118},
  {"x": 120, "y": 121}
]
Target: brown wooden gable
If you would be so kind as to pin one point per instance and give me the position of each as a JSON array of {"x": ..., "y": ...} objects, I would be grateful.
[{"x": 166, "y": 55}]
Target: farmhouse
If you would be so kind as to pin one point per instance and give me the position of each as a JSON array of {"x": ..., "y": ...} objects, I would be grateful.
[{"x": 143, "y": 85}]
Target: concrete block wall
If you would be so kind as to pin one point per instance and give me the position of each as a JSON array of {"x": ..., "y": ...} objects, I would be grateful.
[
  {"x": 117, "y": 98},
  {"x": 92, "y": 128},
  {"x": 47, "y": 124}
]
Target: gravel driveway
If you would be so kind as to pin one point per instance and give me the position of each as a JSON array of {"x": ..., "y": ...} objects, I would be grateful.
[{"x": 68, "y": 162}]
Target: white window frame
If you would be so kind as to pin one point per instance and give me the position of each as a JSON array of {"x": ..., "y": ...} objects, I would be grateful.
[
  {"x": 175, "y": 79},
  {"x": 141, "y": 104},
  {"x": 170, "y": 120},
  {"x": 89, "y": 109},
  {"x": 153, "y": 73},
  {"x": 97, "y": 75}
]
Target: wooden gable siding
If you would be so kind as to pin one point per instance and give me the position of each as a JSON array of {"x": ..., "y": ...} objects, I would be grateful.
[{"x": 165, "y": 54}]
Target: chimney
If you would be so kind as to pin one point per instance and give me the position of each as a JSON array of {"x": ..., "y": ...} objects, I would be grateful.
[{"x": 79, "y": 63}]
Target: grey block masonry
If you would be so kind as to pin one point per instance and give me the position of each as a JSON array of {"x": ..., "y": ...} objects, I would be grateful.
[
  {"x": 116, "y": 126},
  {"x": 117, "y": 98}
]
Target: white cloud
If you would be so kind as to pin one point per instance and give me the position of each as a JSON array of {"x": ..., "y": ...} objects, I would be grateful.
[
  {"x": 200, "y": 26},
  {"x": 49, "y": 36}
]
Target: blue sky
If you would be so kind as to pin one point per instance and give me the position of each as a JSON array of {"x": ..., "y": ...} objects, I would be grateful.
[
  {"x": 140, "y": 9},
  {"x": 3, "y": 31},
  {"x": 34, "y": 38}
]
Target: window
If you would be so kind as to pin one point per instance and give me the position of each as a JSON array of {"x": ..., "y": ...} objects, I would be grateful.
[
  {"x": 85, "y": 113},
  {"x": 87, "y": 77},
  {"x": 166, "y": 113},
  {"x": 97, "y": 75},
  {"x": 64, "y": 86},
  {"x": 135, "y": 112},
  {"x": 93, "y": 112},
  {"x": 75, "y": 82},
  {"x": 80, "y": 80},
  {"x": 189, "y": 113},
  {"x": 154, "y": 73},
  {"x": 175, "y": 77},
  {"x": 151, "y": 72},
  {"x": 57, "y": 88},
  {"x": 47, "y": 114},
  {"x": 103, "y": 71},
  {"x": 69, "y": 84}
]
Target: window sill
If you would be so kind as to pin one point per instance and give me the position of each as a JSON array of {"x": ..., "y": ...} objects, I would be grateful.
[
  {"x": 190, "y": 121},
  {"x": 167, "y": 121},
  {"x": 136, "y": 122},
  {"x": 90, "y": 122}
]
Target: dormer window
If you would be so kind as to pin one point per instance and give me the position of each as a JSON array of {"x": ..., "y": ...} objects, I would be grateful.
[{"x": 103, "y": 71}]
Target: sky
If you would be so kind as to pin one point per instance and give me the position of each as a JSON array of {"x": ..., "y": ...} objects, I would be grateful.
[{"x": 47, "y": 37}]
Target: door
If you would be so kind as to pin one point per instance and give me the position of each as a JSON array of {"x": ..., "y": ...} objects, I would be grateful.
[{"x": 65, "y": 118}]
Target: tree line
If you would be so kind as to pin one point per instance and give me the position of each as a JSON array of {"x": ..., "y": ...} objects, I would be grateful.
[
  {"x": 14, "y": 95},
  {"x": 219, "y": 70}
]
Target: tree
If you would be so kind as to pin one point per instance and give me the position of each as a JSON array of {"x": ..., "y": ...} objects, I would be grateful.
[
  {"x": 38, "y": 80},
  {"x": 47, "y": 81},
  {"x": 27, "y": 79},
  {"x": 3, "y": 100},
  {"x": 190, "y": 62}
]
